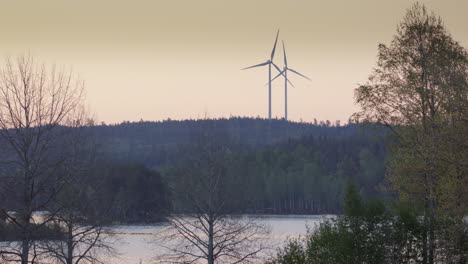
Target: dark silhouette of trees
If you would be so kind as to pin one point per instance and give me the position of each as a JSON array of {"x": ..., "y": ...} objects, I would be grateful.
[
  {"x": 304, "y": 172},
  {"x": 131, "y": 193}
]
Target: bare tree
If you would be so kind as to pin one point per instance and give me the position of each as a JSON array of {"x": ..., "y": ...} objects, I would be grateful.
[
  {"x": 38, "y": 105},
  {"x": 210, "y": 238},
  {"x": 85, "y": 238},
  {"x": 81, "y": 244},
  {"x": 207, "y": 231}
]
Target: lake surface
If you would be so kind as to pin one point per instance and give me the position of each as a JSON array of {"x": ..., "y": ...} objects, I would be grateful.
[{"x": 134, "y": 242}]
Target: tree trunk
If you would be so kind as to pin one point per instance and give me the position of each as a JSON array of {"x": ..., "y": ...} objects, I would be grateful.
[
  {"x": 26, "y": 237},
  {"x": 210, "y": 242},
  {"x": 425, "y": 224},
  {"x": 70, "y": 243},
  {"x": 431, "y": 231},
  {"x": 25, "y": 251}
]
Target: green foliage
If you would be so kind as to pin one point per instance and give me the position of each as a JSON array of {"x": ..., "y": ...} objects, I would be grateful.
[
  {"x": 353, "y": 202},
  {"x": 307, "y": 175},
  {"x": 358, "y": 236},
  {"x": 369, "y": 233},
  {"x": 419, "y": 89},
  {"x": 304, "y": 175},
  {"x": 292, "y": 253},
  {"x": 330, "y": 243}
]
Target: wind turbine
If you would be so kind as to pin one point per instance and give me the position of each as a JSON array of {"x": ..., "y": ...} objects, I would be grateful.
[
  {"x": 284, "y": 72},
  {"x": 269, "y": 63}
]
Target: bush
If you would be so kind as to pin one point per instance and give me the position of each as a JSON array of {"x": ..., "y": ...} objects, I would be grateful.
[
  {"x": 369, "y": 233},
  {"x": 294, "y": 252}
]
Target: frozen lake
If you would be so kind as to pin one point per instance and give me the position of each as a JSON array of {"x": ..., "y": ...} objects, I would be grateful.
[{"x": 133, "y": 242}]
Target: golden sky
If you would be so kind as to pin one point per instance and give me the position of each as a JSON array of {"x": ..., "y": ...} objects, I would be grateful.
[{"x": 152, "y": 59}]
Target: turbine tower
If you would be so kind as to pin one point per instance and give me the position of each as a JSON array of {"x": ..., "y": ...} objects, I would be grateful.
[
  {"x": 269, "y": 63},
  {"x": 284, "y": 72}
]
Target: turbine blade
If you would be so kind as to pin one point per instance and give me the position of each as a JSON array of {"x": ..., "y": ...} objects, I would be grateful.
[
  {"x": 285, "y": 60},
  {"x": 279, "y": 74},
  {"x": 258, "y": 65},
  {"x": 276, "y": 66},
  {"x": 274, "y": 47},
  {"x": 299, "y": 74},
  {"x": 290, "y": 83}
]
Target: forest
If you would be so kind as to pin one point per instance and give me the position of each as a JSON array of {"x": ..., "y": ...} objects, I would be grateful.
[
  {"x": 305, "y": 173},
  {"x": 302, "y": 173}
]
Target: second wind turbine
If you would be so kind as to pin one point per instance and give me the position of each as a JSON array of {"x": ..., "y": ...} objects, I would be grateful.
[
  {"x": 284, "y": 73},
  {"x": 269, "y": 63}
]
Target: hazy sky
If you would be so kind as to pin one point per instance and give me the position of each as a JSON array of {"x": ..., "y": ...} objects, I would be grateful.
[{"x": 152, "y": 60}]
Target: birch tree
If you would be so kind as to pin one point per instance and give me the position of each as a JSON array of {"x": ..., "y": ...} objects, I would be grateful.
[{"x": 419, "y": 90}]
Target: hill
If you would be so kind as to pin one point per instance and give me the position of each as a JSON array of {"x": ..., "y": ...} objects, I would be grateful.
[{"x": 281, "y": 167}]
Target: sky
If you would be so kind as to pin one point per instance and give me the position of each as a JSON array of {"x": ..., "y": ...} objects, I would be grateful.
[{"x": 181, "y": 59}]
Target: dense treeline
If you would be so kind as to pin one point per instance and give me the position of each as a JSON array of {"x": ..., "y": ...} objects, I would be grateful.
[
  {"x": 302, "y": 175},
  {"x": 131, "y": 193},
  {"x": 308, "y": 175},
  {"x": 302, "y": 169},
  {"x": 157, "y": 144}
]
